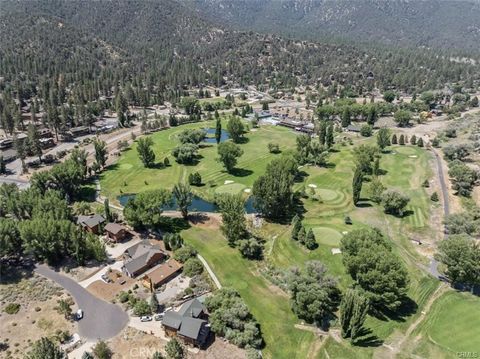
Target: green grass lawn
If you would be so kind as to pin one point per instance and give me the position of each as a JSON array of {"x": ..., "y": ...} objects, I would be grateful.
[
  {"x": 269, "y": 305},
  {"x": 129, "y": 176},
  {"x": 452, "y": 326},
  {"x": 406, "y": 167}
]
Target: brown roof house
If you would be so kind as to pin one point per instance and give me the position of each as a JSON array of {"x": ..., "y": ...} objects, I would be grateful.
[
  {"x": 91, "y": 223},
  {"x": 162, "y": 274},
  {"x": 115, "y": 232},
  {"x": 188, "y": 324},
  {"x": 141, "y": 257}
]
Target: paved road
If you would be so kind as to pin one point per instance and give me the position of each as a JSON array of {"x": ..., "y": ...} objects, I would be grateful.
[
  {"x": 101, "y": 320},
  {"x": 433, "y": 267}
]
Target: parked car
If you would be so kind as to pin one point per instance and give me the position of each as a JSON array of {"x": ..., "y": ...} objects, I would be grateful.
[
  {"x": 79, "y": 314},
  {"x": 146, "y": 318},
  {"x": 158, "y": 317}
]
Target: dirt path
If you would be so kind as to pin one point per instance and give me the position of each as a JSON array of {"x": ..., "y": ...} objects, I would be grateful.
[{"x": 395, "y": 348}]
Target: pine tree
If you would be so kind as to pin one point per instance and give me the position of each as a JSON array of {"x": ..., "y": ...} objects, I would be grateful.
[
  {"x": 329, "y": 135},
  {"x": 353, "y": 311},
  {"x": 372, "y": 115},
  {"x": 401, "y": 141},
  {"x": 420, "y": 142},
  {"x": 357, "y": 185},
  {"x": 394, "y": 139},
  {"x": 296, "y": 226},
  {"x": 413, "y": 140},
  {"x": 376, "y": 167},
  {"x": 34, "y": 144},
  {"x": 346, "y": 117},
  {"x": 322, "y": 132},
  {"x": 106, "y": 210},
  {"x": 310, "y": 241},
  {"x": 302, "y": 235},
  {"x": 154, "y": 303},
  {"x": 218, "y": 130}
]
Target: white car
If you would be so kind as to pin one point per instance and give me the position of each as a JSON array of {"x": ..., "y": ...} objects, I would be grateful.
[
  {"x": 146, "y": 318},
  {"x": 79, "y": 314}
]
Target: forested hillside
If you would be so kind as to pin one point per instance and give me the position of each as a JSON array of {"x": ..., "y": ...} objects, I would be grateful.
[
  {"x": 436, "y": 23},
  {"x": 161, "y": 45}
]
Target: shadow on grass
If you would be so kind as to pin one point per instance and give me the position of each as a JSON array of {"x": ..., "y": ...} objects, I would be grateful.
[
  {"x": 363, "y": 203},
  {"x": 367, "y": 339},
  {"x": 241, "y": 172},
  {"x": 408, "y": 307},
  {"x": 173, "y": 225}
]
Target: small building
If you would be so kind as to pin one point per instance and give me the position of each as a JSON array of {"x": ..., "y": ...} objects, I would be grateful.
[
  {"x": 79, "y": 131},
  {"x": 45, "y": 133},
  {"x": 141, "y": 257},
  {"x": 162, "y": 274},
  {"x": 46, "y": 142},
  {"x": 115, "y": 232},
  {"x": 190, "y": 323},
  {"x": 91, "y": 223},
  {"x": 353, "y": 128}
]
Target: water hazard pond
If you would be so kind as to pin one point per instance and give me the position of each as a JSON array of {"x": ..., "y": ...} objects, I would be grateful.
[
  {"x": 198, "y": 204},
  {"x": 211, "y": 136}
]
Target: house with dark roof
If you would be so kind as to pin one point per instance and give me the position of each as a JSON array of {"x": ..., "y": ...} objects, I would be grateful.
[
  {"x": 141, "y": 257},
  {"x": 189, "y": 324},
  {"x": 91, "y": 223},
  {"x": 115, "y": 232}
]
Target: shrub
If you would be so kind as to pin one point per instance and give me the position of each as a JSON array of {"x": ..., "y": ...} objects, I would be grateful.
[
  {"x": 195, "y": 179},
  {"x": 142, "y": 308},
  {"x": 273, "y": 147},
  {"x": 192, "y": 267},
  {"x": 184, "y": 253},
  {"x": 434, "y": 197},
  {"x": 250, "y": 248},
  {"x": 12, "y": 308},
  {"x": 366, "y": 130}
]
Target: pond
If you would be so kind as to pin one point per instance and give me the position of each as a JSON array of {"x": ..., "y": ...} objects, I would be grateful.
[
  {"x": 211, "y": 135},
  {"x": 198, "y": 204}
]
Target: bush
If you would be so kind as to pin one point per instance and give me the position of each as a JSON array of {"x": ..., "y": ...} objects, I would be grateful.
[
  {"x": 273, "y": 147},
  {"x": 250, "y": 248},
  {"x": 434, "y": 197},
  {"x": 366, "y": 130},
  {"x": 192, "y": 267},
  {"x": 101, "y": 349},
  {"x": 195, "y": 179},
  {"x": 142, "y": 308},
  {"x": 123, "y": 297},
  {"x": 184, "y": 253},
  {"x": 12, "y": 308}
]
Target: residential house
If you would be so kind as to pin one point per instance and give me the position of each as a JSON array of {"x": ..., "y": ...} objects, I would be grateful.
[
  {"x": 189, "y": 324},
  {"x": 141, "y": 257},
  {"x": 115, "y": 232},
  {"x": 91, "y": 223},
  {"x": 162, "y": 274}
]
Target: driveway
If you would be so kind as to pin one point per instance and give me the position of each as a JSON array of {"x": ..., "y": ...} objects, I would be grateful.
[
  {"x": 101, "y": 320},
  {"x": 98, "y": 276}
]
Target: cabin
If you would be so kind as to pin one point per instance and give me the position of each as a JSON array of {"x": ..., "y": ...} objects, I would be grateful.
[
  {"x": 161, "y": 274},
  {"x": 115, "y": 232},
  {"x": 140, "y": 258},
  {"x": 91, "y": 223},
  {"x": 189, "y": 324}
]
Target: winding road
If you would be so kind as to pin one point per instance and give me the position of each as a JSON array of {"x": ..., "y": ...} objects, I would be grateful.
[{"x": 101, "y": 320}]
